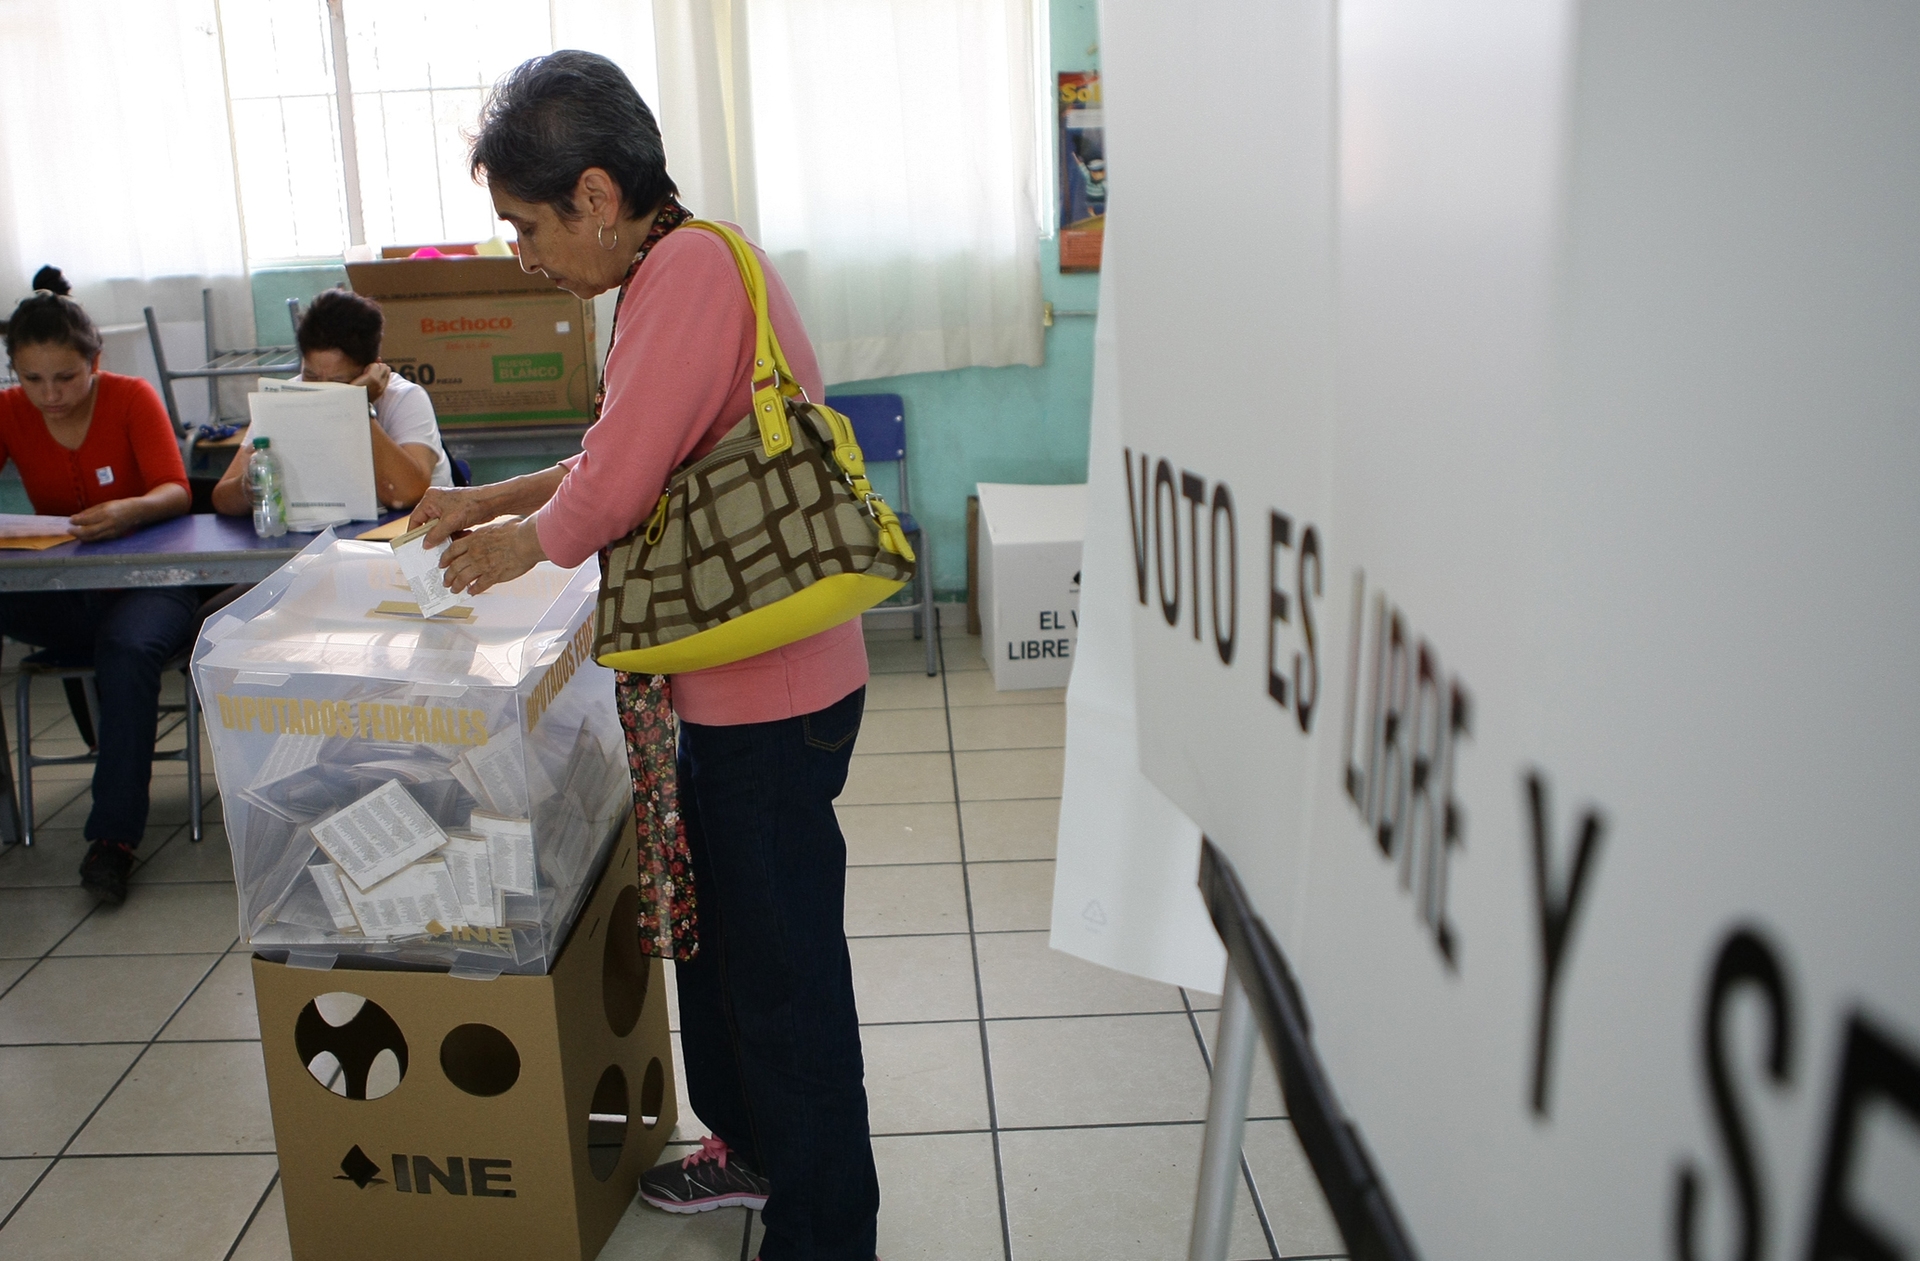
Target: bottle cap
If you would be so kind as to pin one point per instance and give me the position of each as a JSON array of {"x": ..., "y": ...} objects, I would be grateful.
[{"x": 261, "y": 444}]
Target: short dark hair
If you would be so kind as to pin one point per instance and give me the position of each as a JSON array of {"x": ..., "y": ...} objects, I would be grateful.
[
  {"x": 48, "y": 317},
  {"x": 552, "y": 117},
  {"x": 342, "y": 321}
]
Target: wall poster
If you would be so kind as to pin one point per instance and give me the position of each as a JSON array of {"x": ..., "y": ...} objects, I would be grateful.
[{"x": 1083, "y": 171}]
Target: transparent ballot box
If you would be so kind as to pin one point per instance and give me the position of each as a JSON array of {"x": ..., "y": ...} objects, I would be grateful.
[{"x": 410, "y": 791}]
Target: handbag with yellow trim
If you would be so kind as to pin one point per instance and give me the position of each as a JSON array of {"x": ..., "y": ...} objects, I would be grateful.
[{"x": 772, "y": 536}]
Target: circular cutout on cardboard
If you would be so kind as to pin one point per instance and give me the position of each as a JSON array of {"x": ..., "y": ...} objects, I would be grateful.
[
  {"x": 653, "y": 1093},
  {"x": 480, "y": 1060},
  {"x": 351, "y": 1045},
  {"x": 607, "y": 1123},
  {"x": 624, "y": 971}
]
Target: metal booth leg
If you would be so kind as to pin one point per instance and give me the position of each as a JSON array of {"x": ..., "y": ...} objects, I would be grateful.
[{"x": 1233, "y": 1057}]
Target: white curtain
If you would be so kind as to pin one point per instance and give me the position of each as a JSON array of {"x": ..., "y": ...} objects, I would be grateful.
[
  {"x": 115, "y": 163},
  {"x": 882, "y": 151}
]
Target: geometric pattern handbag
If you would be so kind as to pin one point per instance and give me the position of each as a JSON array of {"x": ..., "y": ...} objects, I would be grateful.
[{"x": 772, "y": 536}]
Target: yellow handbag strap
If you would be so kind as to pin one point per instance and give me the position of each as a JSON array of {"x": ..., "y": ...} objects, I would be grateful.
[
  {"x": 773, "y": 384},
  {"x": 773, "y": 381}
]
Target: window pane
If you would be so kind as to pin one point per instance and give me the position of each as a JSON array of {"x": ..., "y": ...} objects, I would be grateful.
[
  {"x": 290, "y": 177},
  {"x": 276, "y": 48},
  {"x": 419, "y": 77}
]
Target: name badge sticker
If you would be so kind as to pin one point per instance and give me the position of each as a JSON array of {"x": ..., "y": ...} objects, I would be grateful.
[{"x": 104, "y": 476}]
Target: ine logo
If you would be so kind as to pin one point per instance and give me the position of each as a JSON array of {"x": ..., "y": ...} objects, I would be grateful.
[
  {"x": 359, "y": 1169},
  {"x": 488, "y": 1178}
]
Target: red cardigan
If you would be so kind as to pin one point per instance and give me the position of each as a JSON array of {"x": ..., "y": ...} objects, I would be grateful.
[{"x": 129, "y": 448}]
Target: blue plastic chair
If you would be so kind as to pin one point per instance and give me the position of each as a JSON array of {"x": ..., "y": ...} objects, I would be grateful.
[{"x": 880, "y": 425}]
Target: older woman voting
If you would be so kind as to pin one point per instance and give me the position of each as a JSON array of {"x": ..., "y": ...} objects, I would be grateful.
[
  {"x": 339, "y": 340},
  {"x": 573, "y": 160},
  {"x": 97, "y": 448}
]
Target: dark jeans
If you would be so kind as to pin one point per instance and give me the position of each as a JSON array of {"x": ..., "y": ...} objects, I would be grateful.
[
  {"x": 126, "y": 636},
  {"x": 767, "y": 1021}
]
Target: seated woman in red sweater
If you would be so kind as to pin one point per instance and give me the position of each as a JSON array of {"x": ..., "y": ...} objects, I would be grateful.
[{"x": 98, "y": 449}]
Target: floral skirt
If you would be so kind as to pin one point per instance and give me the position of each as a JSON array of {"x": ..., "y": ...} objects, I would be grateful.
[{"x": 668, "y": 920}]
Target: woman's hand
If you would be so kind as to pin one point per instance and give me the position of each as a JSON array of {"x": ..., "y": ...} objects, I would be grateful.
[
  {"x": 108, "y": 520},
  {"x": 118, "y": 516},
  {"x": 374, "y": 379},
  {"x": 451, "y": 511},
  {"x": 489, "y": 555}
]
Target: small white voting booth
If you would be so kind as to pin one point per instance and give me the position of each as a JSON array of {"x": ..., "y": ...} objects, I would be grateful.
[{"x": 1030, "y": 540}]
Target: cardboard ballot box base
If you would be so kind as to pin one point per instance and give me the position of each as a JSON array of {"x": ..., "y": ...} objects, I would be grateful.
[{"x": 525, "y": 1111}]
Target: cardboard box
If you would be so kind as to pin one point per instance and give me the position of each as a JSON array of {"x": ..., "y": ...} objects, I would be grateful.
[
  {"x": 492, "y": 344},
  {"x": 488, "y": 1145},
  {"x": 1029, "y": 559}
]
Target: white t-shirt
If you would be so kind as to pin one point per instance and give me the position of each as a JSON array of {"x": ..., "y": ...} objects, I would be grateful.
[{"x": 406, "y": 414}]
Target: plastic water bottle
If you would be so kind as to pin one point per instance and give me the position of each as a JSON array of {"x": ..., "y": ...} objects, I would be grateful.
[{"x": 266, "y": 488}]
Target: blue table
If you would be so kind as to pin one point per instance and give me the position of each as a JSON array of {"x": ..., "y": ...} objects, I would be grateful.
[{"x": 197, "y": 550}]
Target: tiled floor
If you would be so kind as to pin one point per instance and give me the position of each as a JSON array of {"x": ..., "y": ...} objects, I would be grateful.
[{"x": 1026, "y": 1106}]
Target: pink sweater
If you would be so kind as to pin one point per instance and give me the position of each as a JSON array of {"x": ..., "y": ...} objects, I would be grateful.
[{"x": 677, "y": 380}]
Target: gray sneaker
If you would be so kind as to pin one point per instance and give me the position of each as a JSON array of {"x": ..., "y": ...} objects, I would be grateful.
[{"x": 713, "y": 1177}]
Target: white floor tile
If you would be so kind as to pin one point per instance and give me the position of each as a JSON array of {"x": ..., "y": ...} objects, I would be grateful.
[
  {"x": 160, "y": 918},
  {"x": 47, "y": 1093},
  {"x": 1001, "y": 830},
  {"x": 884, "y": 901},
  {"x": 1096, "y": 1070},
  {"x": 266, "y": 1239},
  {"x": 99, "y": 1000},
  {"x": 913, "y": 978},
  {"x": 16, "y": 1176},
  {"x": 158, "y": 1206},
  {"x": 918, "y": 832},
  {"x": 924, "y": 1078},
  {"x": 938, "y": 1199},
  {"x": 997, "y": 774},
  {"x": 1011, "y": 897},
  {"x": 32, "y": 921},
  {"x": 893, "y": 778},
  {"x": 1130, "y": 1190},
  {"x": 1020, "y": 975},
  {"x": 222, "y": 1008},
  {"x": 186, "y": 1097}
]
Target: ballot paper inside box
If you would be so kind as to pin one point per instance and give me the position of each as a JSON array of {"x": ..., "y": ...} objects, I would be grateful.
[{"x": 425, "y": 792}]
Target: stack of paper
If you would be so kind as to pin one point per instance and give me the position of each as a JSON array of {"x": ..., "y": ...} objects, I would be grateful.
[
  {"x": 495, "y": 776},
  {"x": 323, "y": 440},
  {"x": 509, "y": 851},
  {"x": 396, "y": 874},
  {"x": 378, "y": 835}
]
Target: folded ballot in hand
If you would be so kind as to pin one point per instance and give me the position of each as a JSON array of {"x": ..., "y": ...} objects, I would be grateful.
[{"x": 421, "y": 565}]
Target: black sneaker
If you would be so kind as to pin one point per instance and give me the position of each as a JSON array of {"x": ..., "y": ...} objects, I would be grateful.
[
  {"x": 103, "y": 872},
  {"x": 710, "y": 1178}
]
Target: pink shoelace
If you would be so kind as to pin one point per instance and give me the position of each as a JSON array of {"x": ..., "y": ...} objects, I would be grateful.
[{"x": 711, "y": 1148}]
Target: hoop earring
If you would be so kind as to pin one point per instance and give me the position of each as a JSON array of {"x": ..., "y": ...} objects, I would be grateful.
[{"x": 600, "y": 235}]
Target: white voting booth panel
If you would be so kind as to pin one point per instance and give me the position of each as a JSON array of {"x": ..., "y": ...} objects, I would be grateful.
[
  {"x": 409, "y": 791},
  {"x": 1030, "y": 540},
  {"x": 1521, "y": 504}
]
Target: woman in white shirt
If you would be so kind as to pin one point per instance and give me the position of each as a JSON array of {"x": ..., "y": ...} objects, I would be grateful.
[{"x": 339, "y": 339}]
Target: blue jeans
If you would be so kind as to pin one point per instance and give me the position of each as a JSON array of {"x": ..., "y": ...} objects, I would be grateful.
[
  {"x": 768, "y": 1027},
  {"x": 126, "y": 636}
]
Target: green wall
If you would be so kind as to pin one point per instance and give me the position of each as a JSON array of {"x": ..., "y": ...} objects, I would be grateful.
[{"x": 967, "y": 426}]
